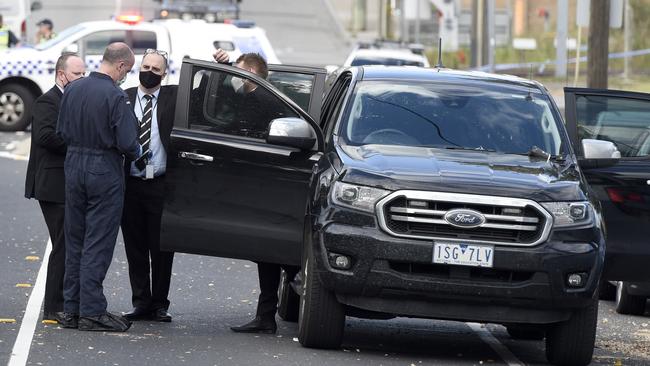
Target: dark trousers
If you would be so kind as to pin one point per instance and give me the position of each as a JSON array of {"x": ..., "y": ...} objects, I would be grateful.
[
  {"x": 94, "y": 191},
  {"x": 54, "y": 214},
  {"x": 143, "y": 206},
  {"x": 269, "y": 277}
]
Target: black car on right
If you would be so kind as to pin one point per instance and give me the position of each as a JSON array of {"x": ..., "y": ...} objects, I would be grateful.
[{"x": 621, "y": 185}]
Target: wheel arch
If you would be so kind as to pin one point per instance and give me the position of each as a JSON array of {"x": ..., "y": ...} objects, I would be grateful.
[{"x": 23, "y": 81}]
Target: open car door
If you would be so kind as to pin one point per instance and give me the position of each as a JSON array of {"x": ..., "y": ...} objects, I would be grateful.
[
  {"x": 228, "y": 191},
  {"x": 621, "y": 184}
]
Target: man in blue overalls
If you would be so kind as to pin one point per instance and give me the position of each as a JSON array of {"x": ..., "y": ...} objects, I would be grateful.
[{"x": 98, "y": 125}]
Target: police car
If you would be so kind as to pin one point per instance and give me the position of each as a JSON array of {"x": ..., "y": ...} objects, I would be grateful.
[
  {"x": 389, "y": 53},
  {"x": 27, "y": 72}
]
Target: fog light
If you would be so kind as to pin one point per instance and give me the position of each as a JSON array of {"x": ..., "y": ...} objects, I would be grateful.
[
  {"x": 340, "y": 261},
  {"x": 577, "y": 279}
]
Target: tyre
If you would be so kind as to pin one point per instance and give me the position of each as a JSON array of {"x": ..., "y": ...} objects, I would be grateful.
[
  {"x": 626, "y": 303},
  {"x": 322, "y": 317},
  {"x": 606, "y": 290},
  {"x": 16, "y": 105},
  {"x": 288, "y": 300},
  {"x": 526, "y": 332},
  {"x": 571, "y": 343}
]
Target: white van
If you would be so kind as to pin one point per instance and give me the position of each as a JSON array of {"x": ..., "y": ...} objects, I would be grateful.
[{"x": 26, "y": 72}]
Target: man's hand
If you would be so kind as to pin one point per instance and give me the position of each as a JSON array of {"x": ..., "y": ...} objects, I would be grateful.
[{"x": 221, "y": 56}]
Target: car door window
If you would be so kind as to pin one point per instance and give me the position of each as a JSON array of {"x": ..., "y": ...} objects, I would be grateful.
[
  {"x": 623, "y": 121},
  {"x": 221, "y": 102},
  {"x": 140, "y": 41},
  {"x": 95, "y": 43},
  {"x": 298, "y": 87}
]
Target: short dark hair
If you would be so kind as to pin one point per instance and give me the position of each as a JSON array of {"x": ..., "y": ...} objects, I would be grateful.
[
  {"x": 255, "y": 61},
  {"x": 61, "y": 63},
  {"x": 116, "y": 52}
]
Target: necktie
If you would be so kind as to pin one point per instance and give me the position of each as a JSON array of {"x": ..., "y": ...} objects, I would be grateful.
[{"x": 144, "y": 134}]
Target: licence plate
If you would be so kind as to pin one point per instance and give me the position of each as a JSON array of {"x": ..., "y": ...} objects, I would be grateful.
[{"x": 463, "y": 254}]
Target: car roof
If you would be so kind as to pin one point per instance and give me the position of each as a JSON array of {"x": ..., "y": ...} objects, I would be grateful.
[
  {"x": 378, "y": 72},
  {"x": 404, "y": 54}
]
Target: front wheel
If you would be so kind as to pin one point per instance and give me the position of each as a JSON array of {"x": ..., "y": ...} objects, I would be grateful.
[
  {"x": 322, "y": 317},
  {"x": 626, "y": 303},
  {"x": 571, "y": 343},
  {"x": 16, "y": 105}
]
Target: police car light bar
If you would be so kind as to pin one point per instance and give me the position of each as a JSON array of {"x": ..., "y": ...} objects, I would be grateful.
[
  {"x": 240, "y": 23},
  {"x": 129, "y": 18}
]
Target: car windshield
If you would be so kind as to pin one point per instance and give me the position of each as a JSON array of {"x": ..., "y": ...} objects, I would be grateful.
[
  {"x": 59, "y": 37},
  {"x": 467, "y": 115},
  {"x": 389, "y": 61}
]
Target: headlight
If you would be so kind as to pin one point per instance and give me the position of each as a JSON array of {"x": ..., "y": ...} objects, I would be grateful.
[
  {"x": 567, "y": 214},
  {"x": 357, "y": 197}
]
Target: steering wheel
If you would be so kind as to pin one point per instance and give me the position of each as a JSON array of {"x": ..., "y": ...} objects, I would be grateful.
[{"x": 390, "y": 136}]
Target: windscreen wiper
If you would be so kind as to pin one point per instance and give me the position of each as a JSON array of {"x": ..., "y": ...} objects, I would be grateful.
[
  {"x": 480, "y": 148},
  {"x": 536, "y": 152}
]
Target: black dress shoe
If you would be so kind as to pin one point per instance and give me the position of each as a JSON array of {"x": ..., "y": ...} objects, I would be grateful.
[
  {"x": 257, "y": 325},
  {"x": 161, "y": 315},
  {"x": 104, "y": 323},
  {"x": 138, "y": 314},
  {"x": 67, "y": 320}
]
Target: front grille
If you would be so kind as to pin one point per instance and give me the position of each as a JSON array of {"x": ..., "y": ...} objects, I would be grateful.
[
  {"x": 474, "y": 274},
  {"x": 508, "y": 221}
]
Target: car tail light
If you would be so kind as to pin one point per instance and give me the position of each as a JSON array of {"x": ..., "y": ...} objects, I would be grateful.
[
  {"x": 23, "y": 29},
  {"x": 618, "y": 196},
  {"x": 615, "y": 195}
]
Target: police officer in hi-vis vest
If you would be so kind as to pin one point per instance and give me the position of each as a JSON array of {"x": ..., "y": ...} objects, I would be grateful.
[{"x": 7, "y": 37}]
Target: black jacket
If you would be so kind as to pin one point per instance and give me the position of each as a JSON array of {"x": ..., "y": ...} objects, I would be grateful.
[
  {"x": 165, "y": 110},
  {"x": 45, "y": 178}
]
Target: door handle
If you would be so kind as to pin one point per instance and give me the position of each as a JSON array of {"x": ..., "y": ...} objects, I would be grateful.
[{"x": 195, "y": 156}]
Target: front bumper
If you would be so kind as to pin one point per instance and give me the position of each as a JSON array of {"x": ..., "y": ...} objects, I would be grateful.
[{"x": 396, "y": 276}]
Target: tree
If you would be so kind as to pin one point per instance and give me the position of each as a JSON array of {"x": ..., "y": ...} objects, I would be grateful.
[{"x": 598, "y": 44}]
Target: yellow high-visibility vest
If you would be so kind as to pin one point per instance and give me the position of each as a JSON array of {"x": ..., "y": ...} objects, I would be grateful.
[{"x": 4, "y": 38}]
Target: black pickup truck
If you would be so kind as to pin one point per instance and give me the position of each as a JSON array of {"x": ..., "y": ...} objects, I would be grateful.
[{"x": 426, "y": 193}]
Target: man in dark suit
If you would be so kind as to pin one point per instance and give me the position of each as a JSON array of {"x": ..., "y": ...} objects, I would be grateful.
[
  {"x": 45, "y": 178},
  {"x": 150, "y": 269},
  {"x": 256, "y": 108}
]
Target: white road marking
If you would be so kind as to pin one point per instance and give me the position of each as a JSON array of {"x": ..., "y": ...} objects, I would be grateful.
[
  {"x": 8, "y": 155},
  {"x": 20, "y": 352},
  {"x": 503, "y": 351}
]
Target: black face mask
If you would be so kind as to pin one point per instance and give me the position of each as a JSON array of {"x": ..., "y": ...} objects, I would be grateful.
[{"x": 149, "y": 80}]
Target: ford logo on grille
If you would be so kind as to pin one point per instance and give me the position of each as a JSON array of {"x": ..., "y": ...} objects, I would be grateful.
[{"x": 465, "y": 218}]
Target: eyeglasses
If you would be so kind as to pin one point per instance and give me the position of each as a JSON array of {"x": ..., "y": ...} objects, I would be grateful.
[{"x": 157, "y": 52}]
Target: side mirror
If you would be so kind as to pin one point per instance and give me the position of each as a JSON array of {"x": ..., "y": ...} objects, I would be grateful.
[
  {"x": 36, "y": 5},
  {"x": 293, "y": 132},
  {"x": 72, "y": 47},
  {"x": 599, "y": 149}
]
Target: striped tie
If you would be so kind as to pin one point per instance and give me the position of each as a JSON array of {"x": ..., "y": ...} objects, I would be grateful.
[{"x": 144, "y": 135}]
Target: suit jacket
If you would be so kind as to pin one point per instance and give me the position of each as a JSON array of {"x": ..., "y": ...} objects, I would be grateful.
[
  {"x": 45, "y": 177},
  {"x": 165, "y": 111}
]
